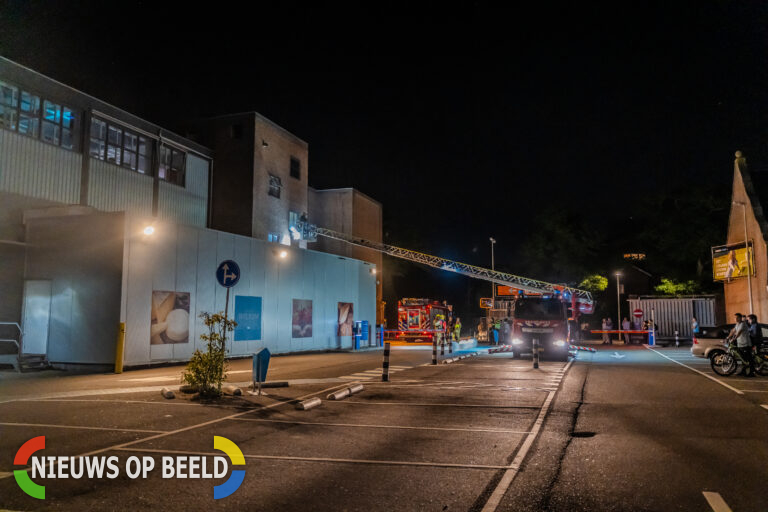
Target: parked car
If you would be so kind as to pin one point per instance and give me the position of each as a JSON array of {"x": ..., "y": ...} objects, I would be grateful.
[{"x": 711, "y": 339}]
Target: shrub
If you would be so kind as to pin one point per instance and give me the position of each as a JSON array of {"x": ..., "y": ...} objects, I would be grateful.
[{"x": 207, "y": 370}]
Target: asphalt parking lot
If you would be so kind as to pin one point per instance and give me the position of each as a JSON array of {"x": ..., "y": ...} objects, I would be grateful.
[{"x": 434, "y": 438}]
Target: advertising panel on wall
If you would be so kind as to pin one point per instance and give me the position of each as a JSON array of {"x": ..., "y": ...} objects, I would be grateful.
[
  {"x": 346, "y": 318},
  {"x": 731, "y": 262},
  {"x": 170, "y": 317},
  {"x": 302, "y": 319},
  {"x": 248, "y": 318}
]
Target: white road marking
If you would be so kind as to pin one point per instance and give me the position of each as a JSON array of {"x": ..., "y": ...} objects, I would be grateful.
[
  {"x": 82, "y": 427},
  {"x": 151, "y": 379},
  {"x": 402, "y": 427},
  {"x": 755, "y": 390},
  {"x": 198, "y": 425},
  {"x": 716, "y": 501},
  {"x": 765, "y": 406},
  {"x": 319, "y": 459},
  {"x": 5, "y": 474},
  {"x": 697, "y": 371},
  {"x": 509, "y": 475},
  {"x": 412, "y": 404}
]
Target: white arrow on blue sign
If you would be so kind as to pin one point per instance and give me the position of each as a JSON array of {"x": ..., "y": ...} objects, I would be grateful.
[{"x": 228, "y": 273}]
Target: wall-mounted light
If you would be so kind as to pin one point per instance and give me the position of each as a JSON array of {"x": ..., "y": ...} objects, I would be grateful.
[
  {"x": 372, "y": 271},
  {"x": 264, "y": 143},
  {"x": 283, "y": 254},
  {"x": 149, "y": 230}
]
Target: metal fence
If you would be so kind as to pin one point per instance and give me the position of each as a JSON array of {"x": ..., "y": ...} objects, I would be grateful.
[{"x": 675, "y": 314}]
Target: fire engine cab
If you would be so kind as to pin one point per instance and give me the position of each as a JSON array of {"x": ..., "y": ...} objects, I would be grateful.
[{"x": 420, "y": 320}]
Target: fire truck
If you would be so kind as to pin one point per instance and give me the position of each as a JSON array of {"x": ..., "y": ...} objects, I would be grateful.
[
  {"x": 420, "y": 320},
  {"x": 549, "y": 319}
]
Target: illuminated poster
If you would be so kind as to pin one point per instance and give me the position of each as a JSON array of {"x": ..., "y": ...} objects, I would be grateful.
[
  {"x": 414, "y": 321},
  {"x": 302, "y": 319},
  {"x": 730, "y": 262},
  {"x": 346, "y": 321},
  {"x": 248, "y": 318},
  {"x": 170, "y": 318}
]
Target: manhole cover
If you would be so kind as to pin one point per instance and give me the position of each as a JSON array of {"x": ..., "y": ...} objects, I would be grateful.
[{"x": 582, "y": 434}]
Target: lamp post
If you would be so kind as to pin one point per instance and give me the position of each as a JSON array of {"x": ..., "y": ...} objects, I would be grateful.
[
  {"x": 493, "y": 267},
  {"x": 749, "y": 256},
  {"x": 618, "y": 304}
]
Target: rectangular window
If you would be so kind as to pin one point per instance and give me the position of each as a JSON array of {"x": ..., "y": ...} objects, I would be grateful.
[
  {"x": 274, "y": 186},
  {"x": 273, "y": 237},
  {"x": 295, "y": 168},
  {"x": 28, "y": 114},
  {"x": 115, "y": 144},
  {"x": 172, "y": 165}
]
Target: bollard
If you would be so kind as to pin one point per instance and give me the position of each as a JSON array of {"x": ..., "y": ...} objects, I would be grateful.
[
  {"x": 167, "y": 393},
  {"x": 338, "y": 395},
  {"x": 385, "y": 365},
  {"x": 434, "y": 351},
  {"x": 442, "y": 348},
  {"x": 308, "y": 404},
  {"x": 450, "y": 347},
  {"x": 229, "y": 389},
  {"x": 355, "y": 389},
  {"x": 535, "y": 353},
  {"x": 677, "y": 339}
]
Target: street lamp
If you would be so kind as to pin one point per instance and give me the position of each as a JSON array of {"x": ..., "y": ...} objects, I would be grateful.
[
  {"x": 749, "y": 256},
  {"x": 493, "y": 267},
  {"x": 618, "y": 304}
]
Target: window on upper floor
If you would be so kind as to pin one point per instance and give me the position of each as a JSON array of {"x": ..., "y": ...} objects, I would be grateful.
[
  {"x": 295, "y": 168},
  {"x": 273, "y": 237},
  {"x": 120, "y": 146},
  {"x": 275, "y": 185},
  {"x": 28, "y": 114},
  {"x": 172, "y": 165}
]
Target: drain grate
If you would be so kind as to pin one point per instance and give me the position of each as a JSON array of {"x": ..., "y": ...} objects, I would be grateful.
[{"x": 582, "y": 434}]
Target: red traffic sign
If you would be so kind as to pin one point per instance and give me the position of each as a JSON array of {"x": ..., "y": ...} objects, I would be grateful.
[{"x": 638, "y": 313}]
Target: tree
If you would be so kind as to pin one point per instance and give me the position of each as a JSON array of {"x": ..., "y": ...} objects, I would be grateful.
[
  {"x": 594, "y": 283},
  {"x": 207, "y": 370},
  {"x": 672, "y": 287}
]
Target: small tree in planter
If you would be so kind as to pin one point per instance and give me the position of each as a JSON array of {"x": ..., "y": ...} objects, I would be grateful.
[{"x": 207, "y": 370}]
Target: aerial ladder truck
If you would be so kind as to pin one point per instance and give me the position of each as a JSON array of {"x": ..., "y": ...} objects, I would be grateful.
[{"x": 540, "y": 310}]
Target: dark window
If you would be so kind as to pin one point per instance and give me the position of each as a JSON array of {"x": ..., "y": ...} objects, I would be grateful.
[
  {"x": 21, "y": 111},
  {"x": 172, "y": 165},
  {"x": 274, "y": 186},
  {"x": 118, "y": 145},
  {"x": 295, "y": 168},
  {"x": 236, "y": 131}
]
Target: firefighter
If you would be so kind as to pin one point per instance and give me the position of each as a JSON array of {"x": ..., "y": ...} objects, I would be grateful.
[{"x": 457, "y": 329}]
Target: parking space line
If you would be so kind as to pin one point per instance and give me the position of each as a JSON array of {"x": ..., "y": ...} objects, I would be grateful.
[
  {"x": 426, "y": 404},
  {"x": 511, "y": 471},
  {"x": 363, "y": 425},
  {"x": 82, "y": 427},
  {"x": 738, "y": 391},
  {"x": 716, "y": 501},
  {"x": 98, "y": 400},
  {"x": 321, "y": 459},
  {"x": 755, "y": 390},
  {"x": 764, "y": 406},
  {"x": 203, "y": 424}
]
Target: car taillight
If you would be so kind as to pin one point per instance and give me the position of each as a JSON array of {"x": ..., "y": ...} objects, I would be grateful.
[{"x": 695, "y": 341}]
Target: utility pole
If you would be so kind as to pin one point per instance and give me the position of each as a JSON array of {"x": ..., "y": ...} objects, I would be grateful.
[
  {"x": 749, "y": 256},
  {"x": 618, "y": 304}
]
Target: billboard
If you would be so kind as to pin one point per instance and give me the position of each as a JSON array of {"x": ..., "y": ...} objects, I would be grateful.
[
  {"x": 302, "y": 319},
  {"x": 248, "y": 318},
  {"x": 732, "y": 262},
  {"x": 346, "y": 318},
  {"x": 170, "y": 318}
]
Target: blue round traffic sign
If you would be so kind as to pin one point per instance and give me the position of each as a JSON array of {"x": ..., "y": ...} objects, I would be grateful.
[{"x": 228, "y": 273}]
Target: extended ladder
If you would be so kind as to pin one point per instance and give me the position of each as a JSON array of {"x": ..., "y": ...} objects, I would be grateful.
[{"x": 311, "y": 232}]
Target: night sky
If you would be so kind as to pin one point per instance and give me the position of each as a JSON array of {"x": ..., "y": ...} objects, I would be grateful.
[{"x": 461, "y": 121}]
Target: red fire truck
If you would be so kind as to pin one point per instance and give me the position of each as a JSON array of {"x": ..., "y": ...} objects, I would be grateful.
[{"x": 420, "y": 320}]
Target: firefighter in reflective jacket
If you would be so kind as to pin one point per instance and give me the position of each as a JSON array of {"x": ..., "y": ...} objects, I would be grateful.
[{"x": 439, "y": 327}]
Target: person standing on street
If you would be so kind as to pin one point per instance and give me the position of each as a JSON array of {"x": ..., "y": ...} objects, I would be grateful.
[
  {"x": 740, "y": 332},
  {"x": 609, "y": 327},
  {"x": 625, "y": 325},
  {"x": 695, "y": 327},
  {"x": 755, "y": 333},
  {"x": 457, "y": 329},
  {"x": 604, "y": 327}
]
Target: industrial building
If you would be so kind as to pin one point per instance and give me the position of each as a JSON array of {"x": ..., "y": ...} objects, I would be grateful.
[{"x": 106, "y": 218}]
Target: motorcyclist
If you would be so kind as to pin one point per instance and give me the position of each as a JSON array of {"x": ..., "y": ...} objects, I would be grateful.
[{"x": 740, "y": 333}]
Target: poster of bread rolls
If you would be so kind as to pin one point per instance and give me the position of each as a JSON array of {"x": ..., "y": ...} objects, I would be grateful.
[{"x": 170, "y": 318}]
